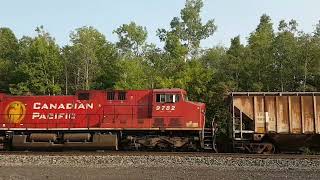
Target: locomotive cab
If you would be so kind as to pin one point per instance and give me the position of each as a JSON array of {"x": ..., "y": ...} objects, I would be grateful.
[
  {"x": 165, "y": 103},
  {"x": 176, "y": 111}
]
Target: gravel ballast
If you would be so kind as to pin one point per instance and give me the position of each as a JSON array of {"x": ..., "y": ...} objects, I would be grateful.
[
  {"x": 50, "y": 166},
  {"x": 106, "y": 161}
]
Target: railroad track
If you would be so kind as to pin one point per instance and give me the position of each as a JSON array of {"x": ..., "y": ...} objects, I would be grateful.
[{"x": 183, "y": 154}]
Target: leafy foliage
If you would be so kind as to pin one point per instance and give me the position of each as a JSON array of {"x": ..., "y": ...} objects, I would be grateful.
[
  {"x": 38, "y": 69},
  {"x": 186, "y": 33},
  {"x": 131, "y": 38}
]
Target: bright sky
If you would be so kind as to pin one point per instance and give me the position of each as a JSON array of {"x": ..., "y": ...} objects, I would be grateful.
[{"x": 233, "y": 17}]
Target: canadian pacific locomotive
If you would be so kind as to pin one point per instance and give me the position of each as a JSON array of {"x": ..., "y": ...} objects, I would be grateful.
[{"x": 96, "y": 119}]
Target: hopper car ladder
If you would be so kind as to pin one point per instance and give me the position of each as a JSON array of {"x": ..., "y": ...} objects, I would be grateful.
[
  {"x": 240, "y": 131},
  {"x": 243, "y": 136}
]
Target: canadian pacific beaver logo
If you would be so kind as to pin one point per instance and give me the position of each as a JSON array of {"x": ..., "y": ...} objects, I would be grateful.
[{"x": 15, "y": 112}]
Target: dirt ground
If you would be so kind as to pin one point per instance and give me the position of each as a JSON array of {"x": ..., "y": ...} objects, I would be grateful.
[{"x": 62, "y": 173}]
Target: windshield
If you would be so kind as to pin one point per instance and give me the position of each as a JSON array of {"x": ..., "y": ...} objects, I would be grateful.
[{"x": 167, "y": 98}]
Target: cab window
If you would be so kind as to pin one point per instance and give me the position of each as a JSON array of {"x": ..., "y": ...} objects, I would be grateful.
[
  {"x": 111, "y": 95},
  {"x": 160, "y": 98},
  {"x": 177, "y": 98},
  {"x": 83, "y": 96},
  {"x": 167, "y": 98},
  {"x": 122, "y": 96}
]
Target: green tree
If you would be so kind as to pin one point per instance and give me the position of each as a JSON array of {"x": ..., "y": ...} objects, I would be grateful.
[
  {"x": 132, "y": 38},
  {"x": 9, "y": 51},
  {"x": 260, "y": 44},
  {"x": 155, "y": 62},
  {"x": 308, "y": 63},
  {"x": 39, "y": 66},
  {"x": 173, "y": 45},
  {"x": 90, "y": 62},
  {"x": 109, "y": 70},
  {"x": 188, "y": 31},
  {"x": 83, "y": 60},
  {"x": 236, "y": 65},
  {"x": 315, "y": 80},
  {"x": 8, "y": 44},
  {"x": 132, "y": 75},
  {"x": 285, "y": 55},
  {"x": 317, "y": 30}
]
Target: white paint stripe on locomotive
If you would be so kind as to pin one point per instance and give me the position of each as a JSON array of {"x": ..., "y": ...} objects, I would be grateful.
[
  {"x": 4, "y": 129},
  {"x": 60, "y": 129},
  {"x": 79, "y": 128},
  {"x": 198, "y": 129},
  {"x": 37, "y": 129},
  {"x": 143, "y": 129},
  {"x": 105, "y": 128},
  {"x": 19, "y": 129}
]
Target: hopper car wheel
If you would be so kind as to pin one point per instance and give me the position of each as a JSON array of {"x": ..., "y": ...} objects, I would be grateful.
[
  {"x": 260, "y": 148},
  {"x": 269, "y": 149}
]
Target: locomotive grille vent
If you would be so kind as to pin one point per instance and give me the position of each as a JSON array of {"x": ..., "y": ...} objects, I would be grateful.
[
  {"x": 158, "y": 122},
  {"x": 175, "y": 122}
]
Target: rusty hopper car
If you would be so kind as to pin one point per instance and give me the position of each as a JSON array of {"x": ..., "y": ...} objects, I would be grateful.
[
  {"x": 284, "y": 121},
  {"x": 97, "y": 119}
]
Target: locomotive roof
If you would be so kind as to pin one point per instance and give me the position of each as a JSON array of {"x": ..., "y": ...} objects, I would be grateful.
[
  {"x": 167, "y": 89},
  {"x": 154, "y": 90}
]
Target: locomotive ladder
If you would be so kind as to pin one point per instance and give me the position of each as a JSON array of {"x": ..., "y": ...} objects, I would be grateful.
[{"x": 209, "y": 138}]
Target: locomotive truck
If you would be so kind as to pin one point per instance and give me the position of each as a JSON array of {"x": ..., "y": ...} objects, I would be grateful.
[{"x": 97, "y": 119}]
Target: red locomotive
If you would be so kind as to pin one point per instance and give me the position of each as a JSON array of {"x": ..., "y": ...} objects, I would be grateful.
[{"x": 97, "y": 119}]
